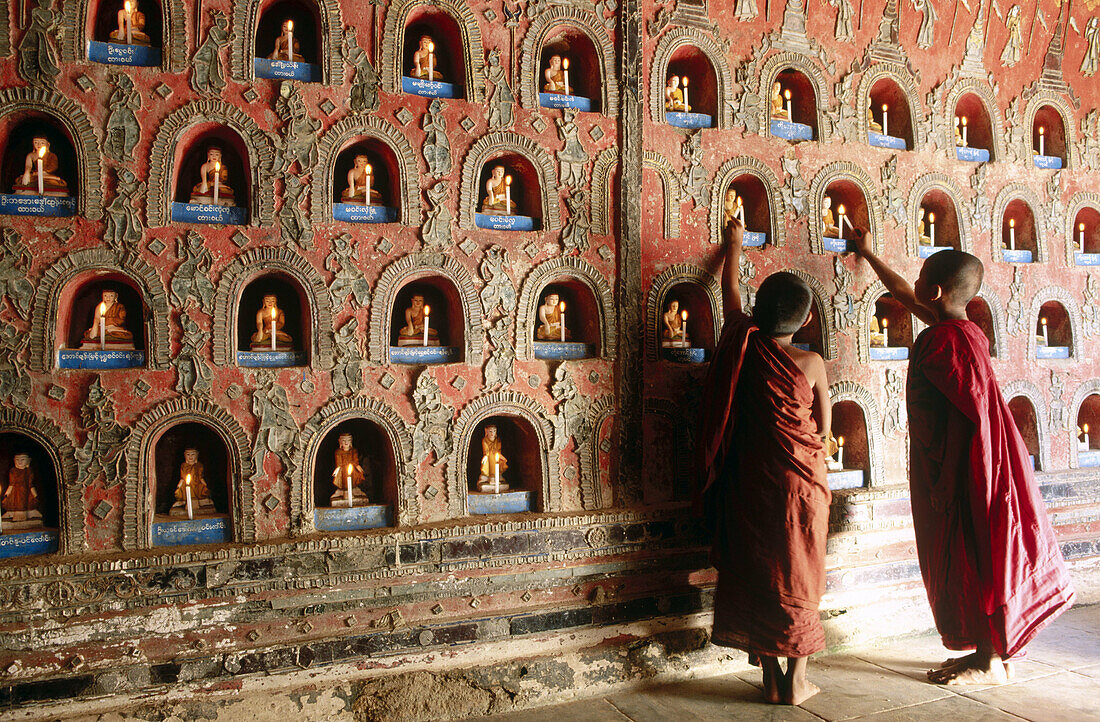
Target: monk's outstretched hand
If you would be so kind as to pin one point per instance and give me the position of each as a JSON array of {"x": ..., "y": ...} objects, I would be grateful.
[{"x": 861, "y": 242}]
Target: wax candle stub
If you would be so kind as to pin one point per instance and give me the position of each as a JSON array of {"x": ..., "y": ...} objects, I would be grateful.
[
  {"x": 885, "y": 120},
  {"x": 684, "y": 325},
  {"x": 427, "y": 313},
  {"x": 273, "y": 315},
  {"x": 347, "y": 481},
  {"x": 102, "y": 326},
  {"x": 686, "y": 106},
  {"x": 561, "y": 319},
  {"x": 787, "y": 97},
  {"x": 217, "y": 179},
  {"x": 1012, "y": 234},
  {"x": 885, "y": 336},
  {"x": 187, "y": 493},
  {"x": 290, "y": 40},
  {"x": 508, "y": 195},
  {"x": 1042, "y": 139},
  {"x": 565, "y": 74},
  {"x": 496, "y": 475},
  {"x": 41, "y": 176}
]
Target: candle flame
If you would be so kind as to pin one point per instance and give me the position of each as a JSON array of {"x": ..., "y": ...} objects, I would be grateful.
[
  {"x": 1085, "y": 428},
  {"x": 964, "y": 120},
  {"x": 431, "y": 47},
  {"x": 103, "y": 309},
  {"x": 349, "y": 469},
  {"x": 187, "y": 481},
  {"x": 787, "y": 94},
  {"x": 507, "y": 180},
  {"x": 273, "y": 314},
  {"x": 885, "y": 323},
  {"x": 931, "y": 217},
  {"x": 684, "y": 315},
  {"x": 496, "y": 457},
  {"x": 128, "y": 6},
  {"x": 685, "y": 81},
  {"x": 561, "y": 306},
  {"x": 565, "y": 63},
  {"x": 840, "y": 209},
  {"x": 840, "y": 441},
  {"x": 1080, "y": 226},
  {"x": 217, "y": 166},
  {"x": 1043, "y": 320},
  {"x": 42, "y": 152},
  {"x": 884, "y": 107},
  {"x": 290, "y": 25},
  {"x": 1041, "y": 130},
  {"x": 369, "y": 169},
  {"x": 427, "y": 310}
]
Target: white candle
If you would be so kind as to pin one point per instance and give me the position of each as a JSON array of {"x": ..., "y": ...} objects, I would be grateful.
[
  {"x": 347, "y": 481},
  {"x": 565, "y": 74},
  {"x": 102, "y": 326},
  {"x": 1046, "y": 338},
  {"x": 740, "y": 212},
  {"x": 129, "y": 20},
  {"x": 684, "y": 326},
  {"x": 965, "y": 143},
  {"x": 686, "y": 105},
  {"x": 840, "y": 451},
  {"x": 366, "y": 192},
  {"x": 885, "y": 336},
  {"x": 1081, "y": 235},
  {"x": 41, "y": 177},
  {"x": 217, "y": 179},
  {"x": 1042, "y": 140},
  {"x": 290, "y": 40},
  {"x": 840, "y": 221},
  {"x": 507, "y": 195},
  {"x": 273, "y": 315},
  {"x": 885, "y": 120},
  {"x": 427, "y": 313},
  {"x": 187, "y": 493},
  {"x": 496, "y": 465},
  {"x": 932, "y": 228},
  {"x": 431, "y": 61},
  {"x": 561, "y": 319},
  {"x": 787, "y": 95},
  {"x": 1085, "y": 429},
  {"x": 1012, "y": 234}
]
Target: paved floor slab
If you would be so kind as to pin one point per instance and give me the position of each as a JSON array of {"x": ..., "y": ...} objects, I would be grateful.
[{"x": 1063, "y": 697}]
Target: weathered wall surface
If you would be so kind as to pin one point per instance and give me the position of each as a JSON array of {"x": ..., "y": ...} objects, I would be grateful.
[{"x": 629, "y": 209}]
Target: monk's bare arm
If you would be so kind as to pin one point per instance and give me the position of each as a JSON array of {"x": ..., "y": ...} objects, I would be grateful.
[
  {"x": 823, "y": 406},
  {"x": 733, "y": 235},
  {"x": 899, "y": 288}
]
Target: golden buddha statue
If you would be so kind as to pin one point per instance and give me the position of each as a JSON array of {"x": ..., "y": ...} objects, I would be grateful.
[
  {"x": 41, "y": 161},
  {"x": 131, "y": 26},
  {"x": 497, "y": 193},
  {"x": 270, "y": 315},
  {"x": 213, "y": 188},
  {"x": 360, "y": 180}
]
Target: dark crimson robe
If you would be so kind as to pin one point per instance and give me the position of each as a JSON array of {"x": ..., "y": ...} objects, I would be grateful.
[
  {"x": 765, "y": 496},
  {"x": 990, "y": 561}
]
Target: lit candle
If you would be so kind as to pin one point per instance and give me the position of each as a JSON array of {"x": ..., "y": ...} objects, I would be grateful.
[
  {"x": 1042, "y": 140},
  {"x": 129, "y": 20},
  {"x": 565, "y": 74},
  {"x": 366, "y": 192},
  {"x": 1043, "y": 323},
  {"x": 561, "y": 319},
  {"x": 684, "y": 326},
  {"x": 840, "y": 451},
  {"x": 217, "y": 179},
  {"x": 885, "y": 336},
  {"x": 507, "y": 195},
  {"x": 496, "y": 472},
  {"x": 102, "y": 326},
  {"x": 841, "y": 220},
  {"x": 41, "y": 177},
  {"x": 1012, "y": 234},
  {"x": 347, "y": 482},
  {"x": 965, "y": 143},
  {"x": 686, "y": 105},
  {"x": 427, "y": 313},
  {"x": 1081, "y": 235},
  {"x": 1085, "y": 429},
  {"x": 932, "y": 228},
  {"x": 740, "y": 212},
  {"x": 431, "y": 61},
  {"x": 187, "y": 493},
  {"x": 787, "y": 95},
  {"x": 885, "y": 120},
  {"x": 290, "y": 40},
  {"x": 273, "y": 315}
]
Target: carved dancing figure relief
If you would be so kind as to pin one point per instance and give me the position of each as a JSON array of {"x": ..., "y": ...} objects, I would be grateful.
[
  {"x": 926, "y": 34},
  {"x": 193, "y": 373},
  {"x": 15, "y": 381},
  {"x": 123, "y": 130},
  {"x": 572, "y": 158},
  {"x": 363, "y": 97},
  {"x": 843, "y": 30},
  {"x": 1013, "y": 45},
  {"x": 437, "y": 148},
  {"x": 347, "y": 373},
  {"x": 432, "y": 432},
  {"x": 102, "y": 451},
  {"x": 1015, "y": 307},
  {"x": 1090, "y": 311},
  {"x": 1090, "y": 63},
  {"x": 499, "y": 96},
  {"x": 276, "y": 430},
  {"x": 124, "y": 225},
  {"x": 38, "y": 60},
  {"x": 192, "y": 279},
  {"x": 436, "y": 231},
  {"x": 207, "y": 75},
  {"x": 574, "y": 237},
  {"x": 498, "y": 290},
  {"x": 500, "y": 368},
  {"x": 15, "y": 261},
  {"x": 347, "y": 279}
]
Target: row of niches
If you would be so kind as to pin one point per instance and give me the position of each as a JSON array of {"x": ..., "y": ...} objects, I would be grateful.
[
  {"x": 352, "y": 482},
  {"x": 103, "y": 322}
]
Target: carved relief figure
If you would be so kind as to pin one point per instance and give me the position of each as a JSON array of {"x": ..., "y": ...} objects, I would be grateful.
[
  {"x": 674, "y": 96},
  {"x": 347, "y": 374},
  {"x": 280, "y": 51},
  {"x": 499, "y": 369},
  {"x": 496, "y": 193},
  {"x": 130, "y": 15},
  {"x": 347, "y": 279},
  {"x": 828, "y": 222},
  {"x": 437, "y": 148},
  {"x": 436, "y": 231},
  {"x": 425, "y": 60},
  {"x": 124, "y": 224},
  {"x": 499, "y": 97},
  {"x": 37, "y": 49},
  {"x": 672, "y": 332},
  {"x": 20, "y": 500},
  {"x": 207, "y": 75},
  {"x": 498, "y": 290},
  {"x": 572, "y": 158},
  {"x": 15, "y": 261},
  {"x": 926, "y": 34},
  {"x": 413, "y": 330},
  {"x": 27, "y": 184},
  {"x": 550, "y": 320},
  {"x": 213, "y": 172},
  {"x": 554, "y": 76},
  {"x": 193, "y": 374},
  {"x": 200, "y": 492},
  {"x": 843, "y": 30},
  {"x": 268, "y": 316},
  {"x": 191, "y": 279},
  {"x": 277, "y": 433},
  {"x": 492, "y": 460},
  {"x": 1013, "y": 45},
  {"x": 348, "y": 468},
  {"x": 122, "y": 123},
  {"x": 432, "y": 432},
  {"x": 360, "y": 178},
  {"x": 745, "y": 10},
  {"x": 109, "y": 321},
  {"x": 1090, "y": 63},
  {"x": 364, "y": 89},
  {"x": 574, "y": 236}
]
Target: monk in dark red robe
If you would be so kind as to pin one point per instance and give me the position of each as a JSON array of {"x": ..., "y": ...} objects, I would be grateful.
[
  {"x": 990, "y": 561},
  {"x": 764, "y": 491}
]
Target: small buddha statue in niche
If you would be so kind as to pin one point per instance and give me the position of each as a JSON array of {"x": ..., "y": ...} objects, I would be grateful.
[
  {"x": 348, "y": 466},
  {"x": 672, "y": 333},
  {"x": 213, "y": 187},
  {"x": 1083, "y": 438},
  {"x": 828, "y": 222},
  {"x": 270, "y": 315},
  {"x": 281, "y": 42},
  {"x": 417, "y": 316},
  {"x": 550, "y": 319},
  {"x": 113, "y": 327},
  {"x": 498, "y": 198},
  {"x": 131, "y": 25},
  {"x": 874, "y": 126},
  {"x": 425, "y": 61},
  {"x": 554, "y": 75},
  {"x": 674, "y": 96},
  {"x": 52, "y": 184},
  {"x": 878, "y": 333},
  {"x": 779, "y": 111},
  {"x": 200, "y": 492},
  {"x": 959, "y": 142},
  {"x": 360, "y": 179},
  {"x": 832, "y": 447},
  {"x": 20, "y": 500},
  {"x": 922, "y": 231},
  {"x": 492, "y": 460},
  {"x": 733, "y": 207}
]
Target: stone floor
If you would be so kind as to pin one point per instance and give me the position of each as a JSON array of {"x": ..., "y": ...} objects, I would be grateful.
[{"x": 1060, "y": 680}]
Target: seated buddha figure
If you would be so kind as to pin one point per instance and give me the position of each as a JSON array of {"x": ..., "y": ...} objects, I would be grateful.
[
  {"x": 53, "y": 185},
  {"x": 425, "y": 61},
  {"x": 204, "y": 192},
  {"x": 348, "y": 468},
  {"x": 271, "y": 315},
  {"x": 874, "y": 126},
  {"x": 135, "y": 34},
  {"x": 733, "y": 207},
  {"x": 417, "y": 315},
  {"x": 922, "y": 232},
  {"x": 360, "y": 181},
  {"x": 113, "y": 315},
  {"x": 191, "y": 474},
  {"x": 287, "y": 35},
  {"x": 497, "y": 199},
  {"x": 19, "y": 500},
  {"x": 674, "y": 96},
  {"x": 554, "y": 75},
  {"x": 878, "y": 333},
  {"x": 492, "y": 460},
  {"x": 672, "y": 333},
  {"x": 778, "y": 110},
  {"x": 828, "y": 221},
  {"x": 550, "y": 321}
]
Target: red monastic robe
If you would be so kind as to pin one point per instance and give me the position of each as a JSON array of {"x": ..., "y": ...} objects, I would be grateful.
[
  {"x": 990, "y": 561},
  {"x": 765, "y": 496}
]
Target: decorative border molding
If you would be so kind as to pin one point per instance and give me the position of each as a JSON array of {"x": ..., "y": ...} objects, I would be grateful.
[
  {"x": 493, "y": 145},
  {"x": 823, "y": 299},
  {"x": 137, "y": 514},
  {"x": 909, "y": 86},
  {"x": 539, "y": 31},
  {"x": 261, "y": 157},
  {"x": 669, "y": 43},
  {"x": 320, "y": 425},
  {"x": 557, "y": 269},
  {"x": 1077, "y": 202},
  {"x": 47, "y": 300},
  {"x": 730, "y": 171},
  {"x": 671, "y": 191},
  {"x": 844, "y": 170},
  {"x": 173, "y": 52},
  {"x": 1073, "y": 313},
  {"x": 85, "y": 140},
  {"x": 393, "y": 35},
  {"x": 259, "y": 261},
  {"x": 851, "y": 391},
  {"x": 1000, "y": 322},
  {"x": 921, "y": 186},
  {"x": 806, "y": 65},
  {"x": 59, "y": 447},
  {"x": 603, "y": 170},
  {"x": 348, "y": 130},
  {"x": 422, "y": 265},
  {"x": 599, "y": 412},
  {"x": 980, "y": 88},
  {"x": 1084, "y": 390},
  {"x": 1009, "y": 193},
  {"x": 659, "y": 289},
  {"x": 501, "y": 403},
  {"x": 1031, "y": 392},
  {"x": 1068, "y": 116}
]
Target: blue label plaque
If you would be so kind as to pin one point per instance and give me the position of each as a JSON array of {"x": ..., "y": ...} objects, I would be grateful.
[
  {"x": 885, "y": 141},
  {"x": 836, "y": 245},
  {"x": 24, "y": 543},
  {"x": 368, "y": 516},
  {"x": 563, "y": 350},
  {"x": 204, "y": 213},
  {"x": 428, "y": 88},
  {"x": 211, "y": 530},
  {"x": 286, "y": 70},
  {"x": 1086, "y": 259},
  {"x": 1017, "y": 256},
  {"x": 505, "y": 223},
  {"x": 355, "y": 213},
  {"x": 753, "y": 239},
  {"x": 683, "y": 355},
  {"x": 506, "y": 502},
  {"x": 789, "y": 130},
  {"x": 270, "y": 359},
  {"x": 973, "y": 155},
  {"x": 122, "y": 54},
  {"x": 96, "y": 359},
  {"x": 1050, "y": 162},
  {"x": 1089, "y": 458},
  {"x": 18, "y": 205},
  {"x": 560, "y": 100},
  {"x": 890, "y": 353},
  {"x": 1049, "y": 352},
  {"x": 689, "y": 120},
  {"x": 847, "y": 479},
  {"x": 423, "y": 354},
  {"x": 926, "y": 251}
]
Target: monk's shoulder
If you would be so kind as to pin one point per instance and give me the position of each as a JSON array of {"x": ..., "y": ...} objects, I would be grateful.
[{"x": 810, "y": 363}]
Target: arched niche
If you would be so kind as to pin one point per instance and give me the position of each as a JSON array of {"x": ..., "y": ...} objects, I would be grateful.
[
  {"x": 448, "y": 274},
  {"x": 103, "y": 26},
  {"x": 667, "y": 471},
  {"x": 819, "y": 335},
  {"x": 32, "y": 511},
  {"x": 52, "y": 314},
  {"x": 386, "y": 443},
  {"x": 848, "y": 184},
  {"x": 383, "y": 139},
  {"x": 1085, "y": 409},
  {"x": 588, "y": 288},
  {"x": 809, "y": 92},
  {"x": 463, "y": 43},
  {"x": 850, "y": 427},
  {"x": 761, "y": 192},
  {"x": 182, "y": 130},
  {"x": 77, "y": 311},
  {"x": 379, "y": 469},
  {"x": 252, "y": 36},
  {"x": 855, "y": 412},
  {"x": 214, "y": 509},
  {"x": 1053, "y": 332},
  {"x": 1051, "y": 111},
  {"x": 671, "y": 191},
  {"x": 523, "y": 457},
  {"x": 1016, "y": 208},
  {"x": 541, "y": 184},
  {"x": 91, "y": 20},
  {"x": 151, "y": 448},
  {"x": 193, "y": 151},
  {"x": 525, "y": 191},
  {"x": 982, "y": 125},
  {"x": 698, "y": 292},
  {"x": 605, "y": 191},
  {"x": 445, "y": 301},
  {"x": 17, "y": 134},
  {"x": 580, "y": 35},
  {"x": 901, "y": 327},
  {"x": 597, "y": 472},
  {"x": 1027, "y": 419},
  {"x": 531, "y": 435},
  {"x": 803, "y": 100},
  {"x": 1083, "y": 229},
  {"x": 689, "y": 50},
  {"x": 384, "y": 172},
  {"x": 980, "y": 313},
  {"x": 296, "y": 273},
  {"x": 1048, "y": 134},
  {"x": 935, "y": 194},
  {"x": 291, "y": 298},
  {"x": 899, "y": 91},
  {"x": 1063, "y": 321}
]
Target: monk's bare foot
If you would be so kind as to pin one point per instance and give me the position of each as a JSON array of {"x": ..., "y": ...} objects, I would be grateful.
[
  {"x": 771, "y": 686},
  {"x": 799, "y": 691},
  {"x": 972, "y": 670}
]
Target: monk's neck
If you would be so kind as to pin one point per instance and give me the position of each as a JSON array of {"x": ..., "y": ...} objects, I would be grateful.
[
  {"x": 784, "y": 341},
  {"x": 950, "y": 313}
]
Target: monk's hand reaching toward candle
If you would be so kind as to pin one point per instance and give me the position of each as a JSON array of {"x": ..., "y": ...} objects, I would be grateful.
[
  {"x": 861, "y": 242},
  {"x": 734, "y": 235}
]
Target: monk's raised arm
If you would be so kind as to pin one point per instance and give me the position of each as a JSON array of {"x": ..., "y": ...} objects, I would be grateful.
[
  {"x": 899, "y": 288},
  {"x": 823, "y": 405},
  {"x": 733, "y": 235}
]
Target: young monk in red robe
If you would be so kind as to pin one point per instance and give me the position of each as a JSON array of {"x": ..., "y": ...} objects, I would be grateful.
[
  {"x": 763, "y": 488},
  {"x": 991, "y": 564}
]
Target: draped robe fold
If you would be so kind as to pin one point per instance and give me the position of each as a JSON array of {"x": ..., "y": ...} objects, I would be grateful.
[
  {"x": 988, "y": 555},
  {"x": 764, "y": 495}
]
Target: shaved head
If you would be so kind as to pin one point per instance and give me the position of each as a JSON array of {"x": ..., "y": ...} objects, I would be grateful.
[
  {"x": 782, "y": 304},
  {"x": 958, "y": 274}
]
